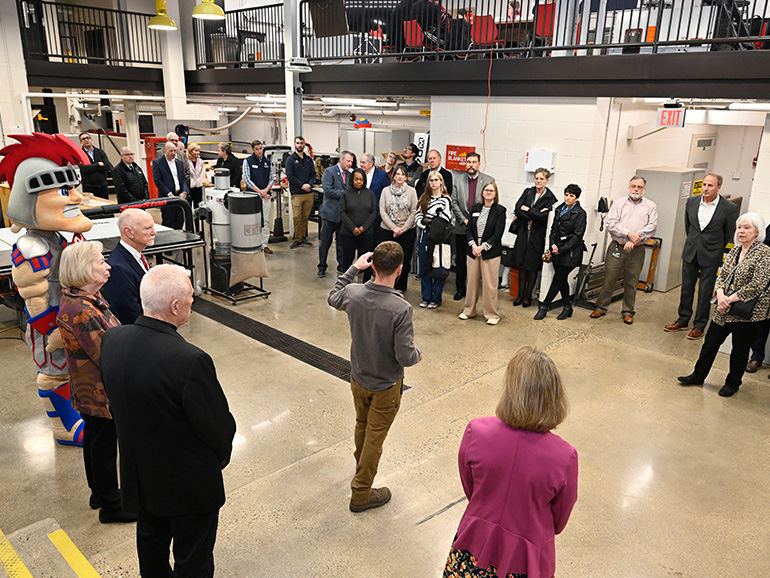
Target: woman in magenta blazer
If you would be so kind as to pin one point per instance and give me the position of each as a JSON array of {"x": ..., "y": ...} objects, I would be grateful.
[{"x": 520, "y": 479}]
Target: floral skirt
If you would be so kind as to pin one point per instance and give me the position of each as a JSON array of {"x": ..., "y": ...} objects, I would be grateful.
[{"x": 462, "y": 564}]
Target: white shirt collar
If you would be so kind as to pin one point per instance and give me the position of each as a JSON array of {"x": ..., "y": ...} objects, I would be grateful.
[{"x": 134, "y": 253}]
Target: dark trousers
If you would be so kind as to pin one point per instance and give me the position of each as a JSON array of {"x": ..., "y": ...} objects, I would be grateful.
[
  {"x": 559, "y": 283},
  {"x": 743, "y": 334},
  {"x": 101, "y": 191},
  {"x": 461, "y": 263},
  {"x": 705, "y": 276},
  {"x": 196, "y": 196},
  {"x": 758, "y": 349},
  {"x": 406, "y": 240},
  {"x": 329, "y": 231},
  {"x": 100, "y": 454},
  {"x": 193, "y": 536},
  {"x": 353, "y": 246}
]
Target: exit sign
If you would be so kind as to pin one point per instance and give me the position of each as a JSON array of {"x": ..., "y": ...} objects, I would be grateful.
[{"x": 671, "y": 117}]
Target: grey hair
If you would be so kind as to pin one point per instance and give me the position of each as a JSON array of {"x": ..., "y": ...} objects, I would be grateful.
[
  {"x": 76, "y": 267},
  {"x": 368, "y": 156},
  {"x": 720, "y": 179},
  {"x": 160, "y": 286},
  {"x": 128, "y": 218},
  {"x": 756, "y": 221},
  {"x": 637, "y": 178}
]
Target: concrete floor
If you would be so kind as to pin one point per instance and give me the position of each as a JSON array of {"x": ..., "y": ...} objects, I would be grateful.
[{"x": 673, "y": 481}]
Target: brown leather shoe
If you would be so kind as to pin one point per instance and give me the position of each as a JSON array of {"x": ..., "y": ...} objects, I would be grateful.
[
  {"x": 378, "y": 497},
  {"x": 268, "y": 251},
  {"x": 695, "y": 334},
  {"x": 752, "y": 366},
  {"x": 628, "y": 319},
  {"x": 596, "y": 313},
  {"x": 675, "y": 327}
]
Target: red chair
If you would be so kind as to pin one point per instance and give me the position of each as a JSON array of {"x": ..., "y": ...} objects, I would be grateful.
[
  {"x": 544, "y": 21},
  {"x": 414, "y": 37},
  {"x": 484, "y": 32}
]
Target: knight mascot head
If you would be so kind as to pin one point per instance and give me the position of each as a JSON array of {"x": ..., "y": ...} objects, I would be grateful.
[{"x": 41, "y": 172}]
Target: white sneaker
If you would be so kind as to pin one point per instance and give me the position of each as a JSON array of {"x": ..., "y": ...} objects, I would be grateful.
[
  {"x": 463, "y": 316},
  {"x": 494, "y": 321}
]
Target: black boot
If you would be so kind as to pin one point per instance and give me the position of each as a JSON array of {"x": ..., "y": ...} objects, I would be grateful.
[
  {"x": 542, "y": 310},
  {"x": 566, "y": 313}
]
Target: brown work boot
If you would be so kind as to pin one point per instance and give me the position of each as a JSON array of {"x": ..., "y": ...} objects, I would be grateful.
[{"x": 378, "y": 497}]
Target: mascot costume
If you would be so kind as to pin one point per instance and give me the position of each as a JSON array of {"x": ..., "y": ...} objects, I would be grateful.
[{"x": 43, "y": 199}]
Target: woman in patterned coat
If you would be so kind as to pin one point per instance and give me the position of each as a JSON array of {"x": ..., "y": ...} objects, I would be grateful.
[
  {"x": 745, "y": 276},
  {"x": 83, "y": 318}
]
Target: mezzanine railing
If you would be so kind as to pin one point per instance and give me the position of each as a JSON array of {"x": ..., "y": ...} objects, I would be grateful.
[{"x": 76, "y": 34}]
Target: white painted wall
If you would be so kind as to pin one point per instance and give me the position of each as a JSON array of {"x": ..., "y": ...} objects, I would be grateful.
[{"x": 760, "y": 196}]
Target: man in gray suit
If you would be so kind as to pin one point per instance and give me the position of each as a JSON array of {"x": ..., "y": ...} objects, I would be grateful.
[
  {"x": 334, "y": 181},
  {"x": 466, "y": 192},
  {"x": 709, "y": 222}
]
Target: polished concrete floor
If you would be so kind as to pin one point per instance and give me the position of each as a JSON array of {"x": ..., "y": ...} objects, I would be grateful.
[{"x": 673, "y": 481}]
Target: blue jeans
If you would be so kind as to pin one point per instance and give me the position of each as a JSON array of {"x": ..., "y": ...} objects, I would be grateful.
[
  {"x": 328, "y": 230},
  {"x": 432, "y": 287}
]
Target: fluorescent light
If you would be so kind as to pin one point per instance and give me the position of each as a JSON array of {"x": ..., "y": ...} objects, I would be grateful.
[
  {"x": 750, "y": 106},
  {"x": 227, "y": 109},
  {"x": 267, "y": 98},
  {"x": 357, "y": 102}
]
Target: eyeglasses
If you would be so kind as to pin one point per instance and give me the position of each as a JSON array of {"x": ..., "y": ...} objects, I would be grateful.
[
  {"x": 85, "y": 137},
  {"x": 126, "y": 154}
]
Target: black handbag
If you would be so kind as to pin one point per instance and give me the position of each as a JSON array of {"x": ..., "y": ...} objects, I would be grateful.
[{"x": 744, "y": 309}]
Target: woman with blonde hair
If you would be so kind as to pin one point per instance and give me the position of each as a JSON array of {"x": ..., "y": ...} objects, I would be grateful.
[
  {"x": 519, "y": 477},
  {"x": 196, "y": 169},
  {"x": 83, "y": 318}
]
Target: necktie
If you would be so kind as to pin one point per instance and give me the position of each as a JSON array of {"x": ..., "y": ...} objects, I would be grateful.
[
  {"x": 344, "y": 177},
  {"x": 471, "y": 193},
  {"x": 145, "y": 264}
]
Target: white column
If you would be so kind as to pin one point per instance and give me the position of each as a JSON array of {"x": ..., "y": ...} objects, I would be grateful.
[
  {"x": 131, "y": 118},
  {"x": 291, "y": 37},
  {"x": 13, "y": 75},
  {"x": 759, "y": 202}
]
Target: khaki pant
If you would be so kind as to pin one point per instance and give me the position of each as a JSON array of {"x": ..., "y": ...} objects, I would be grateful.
[
  {"x": 375, "y": 412},
  {"x": 487, "y": 271},
  {"x": 629, "y": 265},
  {"x": 301, "y": 206}
]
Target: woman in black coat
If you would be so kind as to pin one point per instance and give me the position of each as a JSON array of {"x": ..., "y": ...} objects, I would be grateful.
[
  {"x": 530, "y": 224},
  {"x": 358, "y": 211},
  {"x": 484, "y": 248},
  {"x": 567, "y": 230}
]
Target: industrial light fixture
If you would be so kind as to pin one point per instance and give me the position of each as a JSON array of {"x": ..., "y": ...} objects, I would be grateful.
[
  {"x": 359, "y": 102},
  {"x": 268, "y": 98},
  {"x": 161, "y": 20},
  {"x": 207, "y": 10}
]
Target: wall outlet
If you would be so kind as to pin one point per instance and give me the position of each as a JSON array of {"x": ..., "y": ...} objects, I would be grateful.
[{"x": 737, "y": 176}]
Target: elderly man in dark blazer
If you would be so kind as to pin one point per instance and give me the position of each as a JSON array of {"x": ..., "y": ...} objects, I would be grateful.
[
  {"x": 170, "y": 183},
  {"x": 465, "y": 192},
  {"x": 94, "y": 174},
  {"x": 128, "y": 178},
  {"x": 175, "y": 430},
  {"x": 334, "y": 181},
  {"x": 128, "y": 265},
  {"x": 709, "y": 222},
  {"x": 434, "y": 164}
]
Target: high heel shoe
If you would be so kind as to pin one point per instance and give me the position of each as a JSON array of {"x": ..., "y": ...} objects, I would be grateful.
[
  {"x": 565, "y": 313},
  {"x": 517, "y": 301},
  {"x": 541, "y": 313}
]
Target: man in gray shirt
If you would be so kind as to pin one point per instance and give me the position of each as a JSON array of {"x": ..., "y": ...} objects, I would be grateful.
[{"x": 382, "y": 345}]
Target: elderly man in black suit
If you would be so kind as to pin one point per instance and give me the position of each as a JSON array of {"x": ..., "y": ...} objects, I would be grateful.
[
  {"x": 434, "y": 164},
  {"x": 94, "y": 174},
  {"x": 709, "y": 222},
  {"x": 128, "y": 265},
  {"x": 175, "y": 429},
  {"x": 128, "y": 178},
  {"x": 168, "y": 175}
]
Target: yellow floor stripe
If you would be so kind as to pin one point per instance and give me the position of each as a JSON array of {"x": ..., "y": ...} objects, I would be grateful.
[
  {"x": 10, "y": 560},
  {"x": 72, "y": 555}
]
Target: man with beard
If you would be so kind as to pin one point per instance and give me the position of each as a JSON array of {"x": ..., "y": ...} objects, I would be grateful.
[{"x": 631, "y": 222}]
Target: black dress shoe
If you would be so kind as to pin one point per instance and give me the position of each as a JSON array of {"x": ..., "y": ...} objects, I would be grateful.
[
  {"x": 94, "y": 502},
  {"x": 691, "y": 379},
  {"x": 295, "y": 244},
  {"x": 116, "y": 517},
  {"x": 728, "y": 390},
  {"x": 541, "y": 313},
  {"x": 459, "y": 295},
  {"x": 306, "y": 242},
  {"x": 322, "y": 273},
  {"x": 517, "y": 301},
  {"x": 526, "y": 303}
]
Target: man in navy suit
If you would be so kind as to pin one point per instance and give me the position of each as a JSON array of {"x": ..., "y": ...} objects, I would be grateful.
[
  {"x": 168, "y": 175},
  {"x": 335, "y": 180},
  {"x": 709, "y": 223},
  {"x": 128, "y": 265},
  {"x": 434, "y": 164}
]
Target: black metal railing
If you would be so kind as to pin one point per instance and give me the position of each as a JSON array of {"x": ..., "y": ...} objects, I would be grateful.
[
  {"x": 84, "y": 35},
  {"x": 372, "y": 30},
  {"x": 248, "y": 37}
]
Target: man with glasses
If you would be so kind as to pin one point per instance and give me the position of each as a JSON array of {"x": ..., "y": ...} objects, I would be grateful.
[
  {"x": 94, "y": 174},
  {"x": 128, "y": 178},
  {"x": 412, "y": 165}
]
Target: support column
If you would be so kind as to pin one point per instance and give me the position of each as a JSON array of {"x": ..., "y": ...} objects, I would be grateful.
[
  {"x": 131, "y": 117},
  {"x": 14, "y": 115},
  {"x": 291, "y": 38}
]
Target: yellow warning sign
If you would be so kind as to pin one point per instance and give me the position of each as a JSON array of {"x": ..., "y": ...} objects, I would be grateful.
[
  {"x": 425, "y": 112},
  {"x": 697, "y": 188}
]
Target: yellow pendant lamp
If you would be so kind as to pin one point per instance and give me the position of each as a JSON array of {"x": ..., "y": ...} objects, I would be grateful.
[
  {"x": 207, "y": 10},
  {"x": 161, "y": 20}
]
